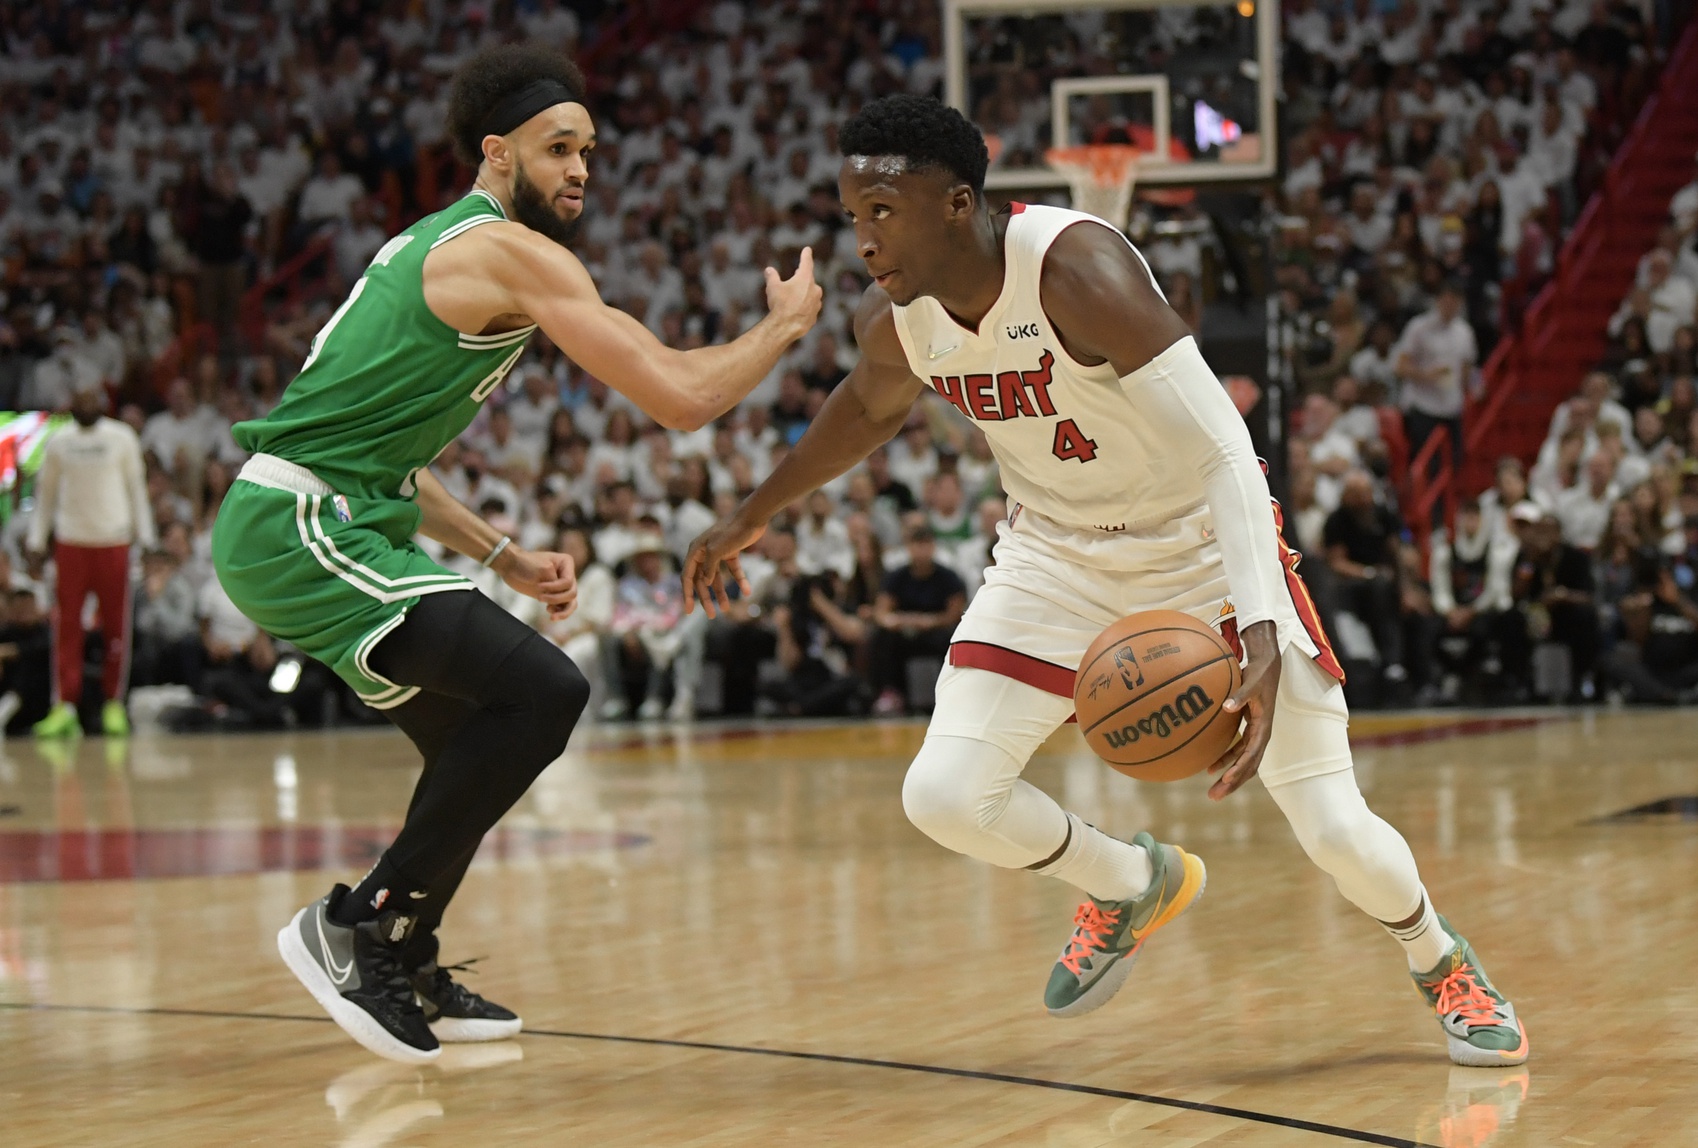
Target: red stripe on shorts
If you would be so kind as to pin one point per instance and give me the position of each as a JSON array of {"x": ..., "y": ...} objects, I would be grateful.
[
  {"x": 1302, "y": 601},
  {"x": 1046, "y": 676}
]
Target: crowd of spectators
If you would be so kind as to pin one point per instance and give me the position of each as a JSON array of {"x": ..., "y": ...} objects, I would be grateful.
[
  {"x": 158, "y": 160},
  {"x": 1573, "y": 579}
]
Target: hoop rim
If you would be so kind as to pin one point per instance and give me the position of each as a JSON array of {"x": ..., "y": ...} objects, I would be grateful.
[{"x": 1106, "y": 164}]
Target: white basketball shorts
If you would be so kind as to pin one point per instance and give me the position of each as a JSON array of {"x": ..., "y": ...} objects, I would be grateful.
[{"x": 1055, "y": 588}]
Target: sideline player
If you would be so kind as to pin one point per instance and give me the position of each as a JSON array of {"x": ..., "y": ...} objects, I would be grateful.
[
  {"x": 314, "y": 542},
  {"x": 1136, "y": 489}
]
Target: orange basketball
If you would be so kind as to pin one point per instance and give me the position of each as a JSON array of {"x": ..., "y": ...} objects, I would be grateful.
[{"x": 1149, "y": 694}]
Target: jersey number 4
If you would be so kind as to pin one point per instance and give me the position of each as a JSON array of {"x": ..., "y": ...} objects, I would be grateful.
[{"x": 1071, "y": 443}]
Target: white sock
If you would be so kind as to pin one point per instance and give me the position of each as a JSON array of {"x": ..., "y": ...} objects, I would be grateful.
[
  {"x": 1425, "y": 943},
  {"x": 1105, "y": 867}
]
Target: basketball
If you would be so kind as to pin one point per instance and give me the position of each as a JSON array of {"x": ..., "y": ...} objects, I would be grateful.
[{"x": 1149, "y": 695}]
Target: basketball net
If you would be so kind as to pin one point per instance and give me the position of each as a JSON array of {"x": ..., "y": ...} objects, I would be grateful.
[{"x": 1102, "y": 177}]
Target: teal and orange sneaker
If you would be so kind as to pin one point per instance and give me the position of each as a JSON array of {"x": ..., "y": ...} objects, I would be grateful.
[
  {"x": 1109, "y": 934},
  {"x": 1479, "y": 1022}
]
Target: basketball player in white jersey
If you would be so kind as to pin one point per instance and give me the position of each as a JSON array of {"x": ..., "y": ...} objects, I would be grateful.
[{"x": 1136, "y": 488}]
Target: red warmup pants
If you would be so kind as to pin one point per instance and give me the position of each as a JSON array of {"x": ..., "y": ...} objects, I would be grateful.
[{"x": 103, "y": 571}]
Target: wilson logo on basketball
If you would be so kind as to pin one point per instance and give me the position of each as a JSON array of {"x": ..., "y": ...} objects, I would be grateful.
[{"x": 1183, "y": 710}]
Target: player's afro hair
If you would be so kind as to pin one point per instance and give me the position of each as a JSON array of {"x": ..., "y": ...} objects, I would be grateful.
[
  {"x": 491, "y": 76},
  {"x": 922, "y": 131}
]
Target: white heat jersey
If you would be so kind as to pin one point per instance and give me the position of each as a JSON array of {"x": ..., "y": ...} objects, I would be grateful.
[{"x": 1070, "y": 443}]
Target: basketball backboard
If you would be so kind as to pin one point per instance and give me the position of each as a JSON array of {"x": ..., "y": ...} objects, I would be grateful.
[{"x": 1193, "y": 84}]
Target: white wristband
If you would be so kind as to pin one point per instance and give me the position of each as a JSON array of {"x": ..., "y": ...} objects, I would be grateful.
[{"x": 496, "y": 553}]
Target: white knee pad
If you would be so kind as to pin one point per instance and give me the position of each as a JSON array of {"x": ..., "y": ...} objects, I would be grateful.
[
  {"x": 967, "y": 796},
  {"x": 1368, "y": 859}
]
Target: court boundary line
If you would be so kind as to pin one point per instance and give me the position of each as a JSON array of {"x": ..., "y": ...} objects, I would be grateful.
[{"x": 1336, "y": 1131}]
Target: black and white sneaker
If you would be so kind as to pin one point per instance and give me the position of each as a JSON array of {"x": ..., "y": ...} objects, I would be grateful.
[
  {"x": 357, "y": 976},
  {"x": 456, "y": 1014}
]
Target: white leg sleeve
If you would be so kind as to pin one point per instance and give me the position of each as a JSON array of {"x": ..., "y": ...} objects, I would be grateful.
[
  {"x": 1309, "y": 772},
  {"x": 964, "y": 789},
  {"x": 967, "y": 796},
  {"x": 1368, "y": 859}
]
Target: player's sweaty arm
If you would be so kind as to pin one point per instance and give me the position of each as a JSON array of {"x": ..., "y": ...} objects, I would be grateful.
[
  {"x": 1104, "y": 306},
  {"x": 865, "y": 411},
  {"x": 503, "y": 270}
]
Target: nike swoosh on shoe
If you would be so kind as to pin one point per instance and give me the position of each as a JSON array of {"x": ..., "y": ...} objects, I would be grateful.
[{"x": 337, "y": 973}]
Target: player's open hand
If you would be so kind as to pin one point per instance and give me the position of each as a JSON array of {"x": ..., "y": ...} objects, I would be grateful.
[
  {"x": 711, "y": 557},
  {"x": 1254, "y": 700},
  {"x": 795, "y": 302},
  {"x": 550, "y": 578}
]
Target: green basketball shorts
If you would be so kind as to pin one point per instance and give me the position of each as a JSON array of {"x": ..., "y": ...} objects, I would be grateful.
[{"x": 330, "y": 574}]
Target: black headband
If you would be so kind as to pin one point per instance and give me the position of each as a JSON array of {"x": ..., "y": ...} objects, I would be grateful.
[{"x": 523, "y": 104}]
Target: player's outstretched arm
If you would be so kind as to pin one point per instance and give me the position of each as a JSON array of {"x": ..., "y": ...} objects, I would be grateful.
[
  {"x": 549, "y": 578},
  {"x": 1105, "y": 307},
  {"x": 866, "y": 410},
  {"x": 507, "y": 269}
]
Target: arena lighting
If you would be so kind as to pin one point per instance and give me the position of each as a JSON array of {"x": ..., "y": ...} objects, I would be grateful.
[
  {"x": 286, "y": 676},
  {"x": 1212, "y": 128},
  {"x": 1246, "y": 8}
]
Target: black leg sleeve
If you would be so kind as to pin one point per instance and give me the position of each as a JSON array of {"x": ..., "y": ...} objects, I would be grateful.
[{"x": 498, "y": 703}]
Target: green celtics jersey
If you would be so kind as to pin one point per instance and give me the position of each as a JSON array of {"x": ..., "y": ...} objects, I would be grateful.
[{"x": 387, "y": 384}]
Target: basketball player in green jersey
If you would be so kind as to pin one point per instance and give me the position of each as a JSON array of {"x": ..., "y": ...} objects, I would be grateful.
[{"x": 314, "y": 542}]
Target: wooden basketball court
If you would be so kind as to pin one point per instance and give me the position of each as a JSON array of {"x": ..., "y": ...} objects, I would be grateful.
[{"x": 735, "y": 938}]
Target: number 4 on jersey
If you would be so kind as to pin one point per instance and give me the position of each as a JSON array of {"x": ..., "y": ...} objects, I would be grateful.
[{"x": 1071, "y": 443}]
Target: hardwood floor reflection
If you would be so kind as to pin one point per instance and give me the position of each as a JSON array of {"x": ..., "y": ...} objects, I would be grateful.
[{"x": 735, "y": 895}]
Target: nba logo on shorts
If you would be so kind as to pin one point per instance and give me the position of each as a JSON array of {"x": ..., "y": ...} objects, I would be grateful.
[{"x": 340, "y": 505}]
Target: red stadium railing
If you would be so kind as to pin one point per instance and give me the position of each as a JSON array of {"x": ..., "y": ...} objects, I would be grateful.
[
  {"x": 287, "y": 279},
  {"x": 1562, "y": 333}
]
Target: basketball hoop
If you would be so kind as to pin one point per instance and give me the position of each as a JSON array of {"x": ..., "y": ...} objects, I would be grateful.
[{"x": 1101, "y": 176}]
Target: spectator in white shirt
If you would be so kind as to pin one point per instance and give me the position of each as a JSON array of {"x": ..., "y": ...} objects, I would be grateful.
[
  {"x": 532, "y": 410},
  {"x": 426, "y": 115},
  {"x": 1436, "y": 363},
  {"x": 103, "y": 349},
  {"x": 1683, "y": 208},
  {"x": 1357, "y": 420},
  {"x": 357, "y": 240},
  {"x": 1683, "y": 258},
  {"x": 1522, "y": 193},
  {"x": 656, "y": 282},
  {"x": 181, "y": 435},
  {"x": 913, "y": 457},
  {"x": 483, "y": 486},
  {"x": 822, "y": 540},
  {"x": 517, "y": 459},
  {"x": 1332, "y": 450},
  {"x": 1666, "y": 303},
  {"x": 553, "y": 24},
  {"x": 1588, "y": 408},
  {"x": 329, "y": 196},
  {"x": 92, "y": 495},
  {"x": 1576, "y": 86},
  {"x": 1552, "y": 151},
  {"x": 1368, "y": 229},
  {"x": 62, "y": 374},
  {"x": 1584, "y": 508},
  {"x": 1374, "y": 367}
]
